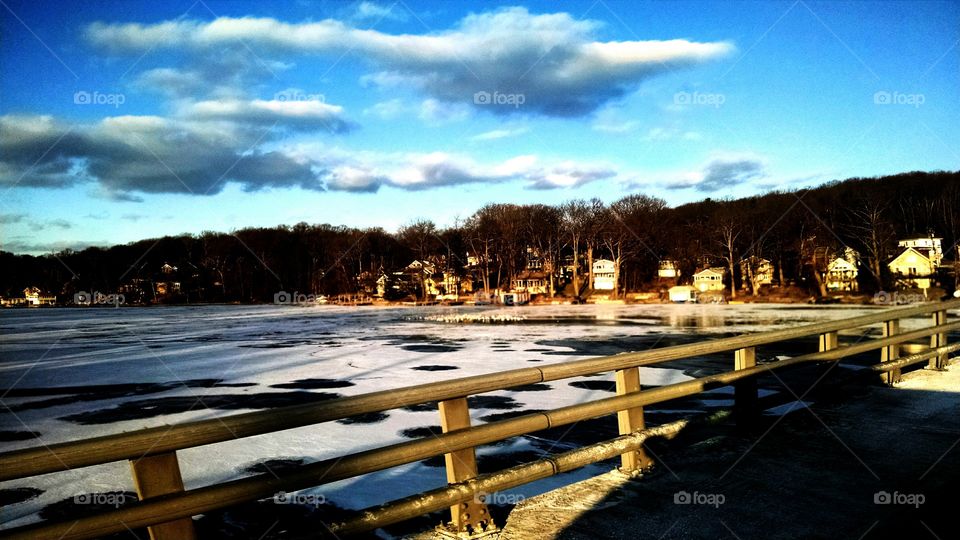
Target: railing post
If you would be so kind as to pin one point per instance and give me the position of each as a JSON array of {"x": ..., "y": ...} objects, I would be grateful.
[
  {"x": 745, "y": 390},
  {"x": 829, "y": 341},
  {"x": 939, "y": 362},
  {"x": 891, "y": 352},
  {"x": 160, "y": 475},
  {"x": 630, "y": 420},
  {"x": 468, "y": 519}
]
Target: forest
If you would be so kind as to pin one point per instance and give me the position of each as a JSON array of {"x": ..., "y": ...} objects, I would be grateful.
[{"x": 798, "y": 231}]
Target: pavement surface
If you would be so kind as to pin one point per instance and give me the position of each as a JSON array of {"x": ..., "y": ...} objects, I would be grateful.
[{"x": 864, "y": 461}]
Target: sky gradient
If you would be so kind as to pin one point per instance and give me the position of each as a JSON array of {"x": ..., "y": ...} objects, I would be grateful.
[{"x": 121, "y": 121}]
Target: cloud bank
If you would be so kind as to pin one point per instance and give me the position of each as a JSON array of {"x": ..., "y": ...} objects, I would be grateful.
[{"x": 552, "y": 60}]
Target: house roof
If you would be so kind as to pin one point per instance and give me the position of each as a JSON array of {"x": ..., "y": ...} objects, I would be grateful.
[
  {"x": 840, "y": 264},
  {"x": 908, "y": 251},
  {"x": 705, "y": 271},
  {"x": 531, "y": 275}
]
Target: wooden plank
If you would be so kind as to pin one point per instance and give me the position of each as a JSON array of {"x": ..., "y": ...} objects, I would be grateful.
[
  {"x": 938, "y": 340},
  {"x": 745, "y": 390},
  {"x": 160, "y": 475},
  {"x": 891, "y": 352},
  {"x": 467, "y": 516},
  {"x": 630, "y": 420},
  {"x": 829, "y": 341}
]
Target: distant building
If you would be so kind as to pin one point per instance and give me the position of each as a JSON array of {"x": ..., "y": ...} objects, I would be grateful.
[
  {"x": 682, "y": 294},
  {"x": 929, "y": 246},
  {"x": 758, "y": 270},
  {"x": 669, "y": 269},
  {"x": 34, "y": 297},
  {"x": 531, "y": 281},
  {"x": 709, "y": 279},
  {"x": 603, "y": 275},
  {"x": 842, "y": 272},
  {"x": 917, "y": 265}
]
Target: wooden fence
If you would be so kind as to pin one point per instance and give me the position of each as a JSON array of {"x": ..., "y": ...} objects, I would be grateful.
[{"x": 166, "y": 507}]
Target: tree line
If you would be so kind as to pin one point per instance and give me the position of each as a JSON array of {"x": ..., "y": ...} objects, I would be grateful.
[{"x": 797, "y": 231}]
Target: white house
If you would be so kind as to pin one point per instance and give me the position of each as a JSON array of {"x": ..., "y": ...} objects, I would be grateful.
[
  {"x": 603, "y": 275},
  {"x": 709, "y": 279},
  {"x": 683, "y": 294},
  {"x": 842, "y": 275},
  {"x": 668, "y": 269},
  {"x": 34, "y": 297}
]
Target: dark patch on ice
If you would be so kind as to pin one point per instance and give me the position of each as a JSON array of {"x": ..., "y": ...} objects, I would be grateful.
[
  {"x": 434, "y": 368},
  {"x": 274, "y": 466},
  {"x": 538, "y": 350},
  {"x": 18, "y": 495},
  {"x": 492, "y": 402},
  {"x": 508, "y": 415},
  {"x": 429, "y": 348},
  {"x": 422, "y": 431},
  {"x": 8, "y": 436},
  {"x": 620, "y": 343},
  {"x": 314, "y": 384},
  {"x": 535, "y": 387},
  {"x": 606, "y": 386},
  {"x": 475, "y": 402},
  {"x": 419, "y": 342},
  {"x": 98, "y": 392},
  {"x": 92, "y": 503},
  {"x": 366, "y": 418},
  {"x": 422, "y": 407},
  {"x": 150, "y": 408},
  {"x": 535, "y": 360}
]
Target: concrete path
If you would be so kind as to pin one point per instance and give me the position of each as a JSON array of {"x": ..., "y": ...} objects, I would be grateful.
[{"x": 871, "y": 462}]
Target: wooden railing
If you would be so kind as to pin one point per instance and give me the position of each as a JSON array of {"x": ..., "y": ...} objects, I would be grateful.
[{"x": 166, "y": 508}]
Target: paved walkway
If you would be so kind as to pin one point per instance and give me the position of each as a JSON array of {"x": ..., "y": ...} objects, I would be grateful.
[{"x": 871, "y": 462}]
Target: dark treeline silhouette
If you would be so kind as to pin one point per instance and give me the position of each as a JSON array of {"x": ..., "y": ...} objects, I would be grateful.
[{"x": 797, "y": 232}]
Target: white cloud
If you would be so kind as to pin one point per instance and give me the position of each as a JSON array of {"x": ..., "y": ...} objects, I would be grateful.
[
  {"x": 306, "y": 114},
  {"x": 436, "y": 112},
  {"x": 495, "y": 134},
  {"x": 552, "y": 60},
  {"x": 387, "y": 110}
]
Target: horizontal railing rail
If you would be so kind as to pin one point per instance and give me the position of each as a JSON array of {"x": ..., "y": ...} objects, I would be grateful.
[{"x": 172, "y": 503}]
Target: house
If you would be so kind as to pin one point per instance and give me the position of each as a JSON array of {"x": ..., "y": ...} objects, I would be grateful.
[
  {"x": 669, "y": 269},
  {"x": 913, "y": 269},
  {"x": 604, "y": 275},
  {"x": 917, "y": 265},
  {"x": 531, "y": 281},
  {"x": 33, "y": 297},
  {"x": 709, "y": 279},
  {"x": 757, "y": 270},
  {"x": 683, "y": 294},
  {"x": 842, "y": 272},
  {"x": 929, "y": 246}
]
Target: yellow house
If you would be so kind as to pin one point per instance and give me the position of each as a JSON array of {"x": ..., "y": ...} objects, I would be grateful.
[
  {"x": 913, "y": 268},
  {"x": 709, "y": 279}
]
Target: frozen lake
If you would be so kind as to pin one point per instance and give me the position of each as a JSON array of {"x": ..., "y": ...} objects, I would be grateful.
[{"x": 76, "y": 373}]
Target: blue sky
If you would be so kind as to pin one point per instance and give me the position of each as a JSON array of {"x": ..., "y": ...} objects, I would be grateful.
[{"x": 125, "y": 120}]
